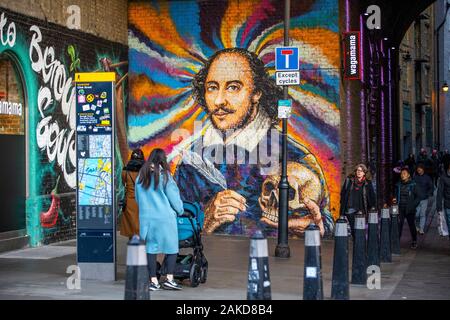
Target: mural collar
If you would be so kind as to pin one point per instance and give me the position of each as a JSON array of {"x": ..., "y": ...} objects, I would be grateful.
[{"x": 247, "y": 137}]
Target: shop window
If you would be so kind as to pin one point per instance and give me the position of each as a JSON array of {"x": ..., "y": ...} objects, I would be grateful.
[{"x": 12, "y": 106}]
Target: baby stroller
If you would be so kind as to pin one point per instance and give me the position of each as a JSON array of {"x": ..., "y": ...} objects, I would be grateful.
[{"x": 191, "y": 266}]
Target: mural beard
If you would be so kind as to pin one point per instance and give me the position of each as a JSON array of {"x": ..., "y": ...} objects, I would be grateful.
[{"x": 234, "y": 123}]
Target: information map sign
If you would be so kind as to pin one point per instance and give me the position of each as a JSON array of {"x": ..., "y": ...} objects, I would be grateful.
[{"x": 96, "y": 223}]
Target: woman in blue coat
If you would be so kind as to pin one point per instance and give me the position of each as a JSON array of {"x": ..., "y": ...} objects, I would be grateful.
[{"x": 159, "y": 202}]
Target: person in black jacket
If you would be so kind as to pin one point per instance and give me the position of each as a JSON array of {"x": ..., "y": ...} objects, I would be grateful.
[
  {"x": 425, "y": 188},
  {"x": 357, "y": 194},
  {"x": 443, "y": 194},
  {"x": 435, "y": 166},
  {"x": 408, "y": 200}
]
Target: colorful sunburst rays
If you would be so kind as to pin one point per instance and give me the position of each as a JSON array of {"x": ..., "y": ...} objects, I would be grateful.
[{"x": 168, "y": 47}]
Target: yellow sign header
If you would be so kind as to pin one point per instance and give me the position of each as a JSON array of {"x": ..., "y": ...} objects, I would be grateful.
[{"x": 95, "y": 77}]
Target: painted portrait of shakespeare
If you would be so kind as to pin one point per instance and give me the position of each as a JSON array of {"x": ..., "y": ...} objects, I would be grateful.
[
  {"x": 233, "y": 167},
  {"x": 202, "y": 88}
]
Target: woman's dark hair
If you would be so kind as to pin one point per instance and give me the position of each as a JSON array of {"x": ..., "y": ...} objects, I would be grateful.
[
  {"x": 137, "y": 154},
  {"x": 152, "y": 168},
  {"x": 270, "y": 92}
]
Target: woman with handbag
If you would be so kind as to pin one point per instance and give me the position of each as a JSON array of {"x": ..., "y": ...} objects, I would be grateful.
[
  {"x": 357, "y": 194},
  {"x": 159, "y": 202},
  {"x": 129, "y": 225}
]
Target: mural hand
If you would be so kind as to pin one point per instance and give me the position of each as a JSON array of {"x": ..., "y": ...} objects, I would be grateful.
[
  {"x": 314, "y": 211},
  {"x": 222, "y": 208}
]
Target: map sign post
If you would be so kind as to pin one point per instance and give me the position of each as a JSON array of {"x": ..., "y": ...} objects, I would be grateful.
[{"x": 96, "y": 219}]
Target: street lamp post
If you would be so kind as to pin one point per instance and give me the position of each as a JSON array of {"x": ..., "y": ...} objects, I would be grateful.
[{"x": 282, "y": 250}]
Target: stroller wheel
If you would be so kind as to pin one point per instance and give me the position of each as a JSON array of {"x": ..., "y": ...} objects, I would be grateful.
[
  {"x": 204, "y": 273},
  {"x": 194, "y": 275}
]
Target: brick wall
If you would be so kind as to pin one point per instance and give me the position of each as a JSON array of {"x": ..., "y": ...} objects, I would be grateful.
[
  {"x": 50, "y": 132},
  {"x": 103, "y": 18}
]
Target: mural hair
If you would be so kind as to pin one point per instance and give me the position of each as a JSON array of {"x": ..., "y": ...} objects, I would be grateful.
[{"x": 270, "y": 92}]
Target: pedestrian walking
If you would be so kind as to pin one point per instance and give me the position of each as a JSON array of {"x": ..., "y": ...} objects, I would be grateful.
[
  {"x": 159, "y": 202},
  {"x": 425, "y": 160},
  {"x": 435, "y": 166},
  {"x": 129, "y": 223},
  {"x": 357, "y": 194},
  {"x": 443, "y": 195},
  {"x": 408, "y": 200},
  {"x": 425, "y": 188}
]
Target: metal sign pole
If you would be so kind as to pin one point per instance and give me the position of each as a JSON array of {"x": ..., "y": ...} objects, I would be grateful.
[{"x": 282, "y": 250}]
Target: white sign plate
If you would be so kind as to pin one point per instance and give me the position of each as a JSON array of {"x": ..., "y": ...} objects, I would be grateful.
[{"x": 287, "y": 78}]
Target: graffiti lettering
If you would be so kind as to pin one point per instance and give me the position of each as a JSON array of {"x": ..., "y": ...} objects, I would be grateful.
[
  {"x": 57, "y": 87},
  {"x": 58, "y": 144},
  {"x": 10, "y": 33}
]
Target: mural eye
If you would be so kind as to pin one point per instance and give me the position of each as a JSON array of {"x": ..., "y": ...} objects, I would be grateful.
[
  {"x": 211, "y": 88},
  {"x": 233, "y": 88}
]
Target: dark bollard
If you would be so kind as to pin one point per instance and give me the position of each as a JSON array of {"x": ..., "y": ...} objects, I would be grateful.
[
  {"x": 137, "y": 277},
  {"x": 312, "y": 272},
  {"x": 359, "y": 263},
  {"x": 258, "y": 269},
  {"x": 385, "y": 237},
  {"x": 373, "y": 252},
  {"x": 395, "y": 232},
  {"x": 340, "y": 281}
]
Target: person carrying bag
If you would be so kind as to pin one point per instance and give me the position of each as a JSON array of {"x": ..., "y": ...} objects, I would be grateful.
[{"x": 129, "y": 224}]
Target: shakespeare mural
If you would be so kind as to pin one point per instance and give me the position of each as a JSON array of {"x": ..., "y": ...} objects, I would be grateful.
[{"x": 202, "y": 88}]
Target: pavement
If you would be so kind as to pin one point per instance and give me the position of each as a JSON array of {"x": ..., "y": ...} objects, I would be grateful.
[{"x": 40, "y": 273}]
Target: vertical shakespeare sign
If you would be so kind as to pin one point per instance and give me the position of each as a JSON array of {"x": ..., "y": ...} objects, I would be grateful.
[
  {"x": 352, "y": 55},
  {"x": 96, "y": 223}
]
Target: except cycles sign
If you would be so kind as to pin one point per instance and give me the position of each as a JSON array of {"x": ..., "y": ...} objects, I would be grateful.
[{"x": 287, "y": 65}]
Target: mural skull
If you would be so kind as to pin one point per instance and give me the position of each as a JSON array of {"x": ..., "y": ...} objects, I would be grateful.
[{"x": 303, "y": 183}]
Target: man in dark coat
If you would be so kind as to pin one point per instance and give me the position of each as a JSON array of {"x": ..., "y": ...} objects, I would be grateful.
[
  {"x": 408, "y": 200},
  {"x": 425, "y": 188}
]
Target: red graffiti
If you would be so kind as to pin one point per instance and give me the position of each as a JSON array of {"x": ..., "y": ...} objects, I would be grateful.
[{"x": 49, "y": 218}]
